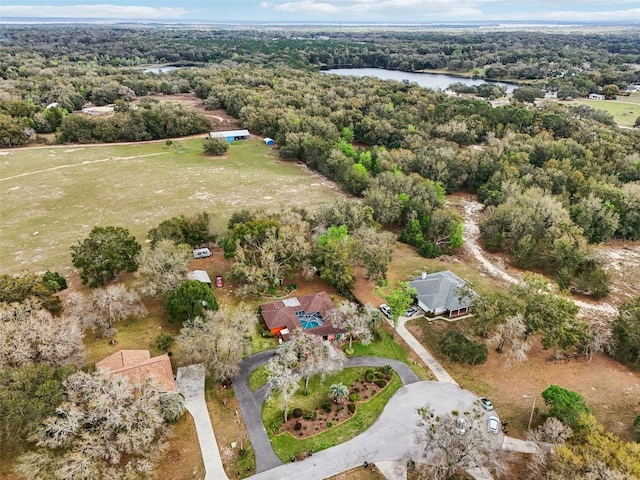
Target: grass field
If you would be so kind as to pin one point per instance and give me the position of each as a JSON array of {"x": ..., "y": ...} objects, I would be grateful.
[
  {"x": 51, "y": 197},
  {"x": 624, "y": 111}
]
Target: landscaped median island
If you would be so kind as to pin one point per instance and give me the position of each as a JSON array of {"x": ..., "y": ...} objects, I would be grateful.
[{"x": 323, "y": 422}]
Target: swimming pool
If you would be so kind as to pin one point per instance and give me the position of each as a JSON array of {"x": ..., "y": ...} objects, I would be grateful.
[{"x": 310, "y": 320}]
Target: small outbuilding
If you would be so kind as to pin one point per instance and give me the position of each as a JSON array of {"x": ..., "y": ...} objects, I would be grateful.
[
  {"x": 199, "y": 275},
  {"x": 231, "y": 135},
  {"x": 269, "y": 141}
]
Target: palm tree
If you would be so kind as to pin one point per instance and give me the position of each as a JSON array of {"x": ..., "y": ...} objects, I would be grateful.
[{"x": 338, "y": 392}]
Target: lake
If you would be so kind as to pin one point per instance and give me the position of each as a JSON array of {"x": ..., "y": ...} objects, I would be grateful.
[
  {"x": 160, "y": 69},
  {"x": 433, "y": 81}
]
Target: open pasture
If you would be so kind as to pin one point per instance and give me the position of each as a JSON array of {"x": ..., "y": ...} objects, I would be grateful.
[{"x": 51, "y": 197}]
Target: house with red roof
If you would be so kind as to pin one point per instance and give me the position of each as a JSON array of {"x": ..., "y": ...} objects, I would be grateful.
[
  {"x": 138, "y": 365},
  {"x": 307, "y": 312}
]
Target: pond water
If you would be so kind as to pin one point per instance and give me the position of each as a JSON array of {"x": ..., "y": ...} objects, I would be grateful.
[
  {"x": 161, "y": 69},
  {"x": 433, "y": 81}
]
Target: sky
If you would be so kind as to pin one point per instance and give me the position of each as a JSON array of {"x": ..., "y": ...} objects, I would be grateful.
[{"x": 334, "y": 11}]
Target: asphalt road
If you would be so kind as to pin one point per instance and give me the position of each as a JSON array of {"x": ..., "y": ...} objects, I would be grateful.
[{"x": 251, "y": 402}]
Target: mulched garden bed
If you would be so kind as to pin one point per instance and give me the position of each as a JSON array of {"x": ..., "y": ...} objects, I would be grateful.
[{"x": 307, "y": 423}]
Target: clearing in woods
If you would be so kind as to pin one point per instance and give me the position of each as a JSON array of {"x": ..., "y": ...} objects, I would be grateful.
[{"x": 51, "y": 197}]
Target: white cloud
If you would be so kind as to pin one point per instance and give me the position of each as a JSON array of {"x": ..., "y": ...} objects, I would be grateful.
[
  {"x": 576, "y": 16},
  {"x": 419, "y": 10},
  {"x": 439, "y": 10},
  {"x": 91, "y": 11}
]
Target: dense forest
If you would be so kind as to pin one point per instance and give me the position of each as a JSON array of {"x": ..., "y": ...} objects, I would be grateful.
[{"x": 554, "y": 178}]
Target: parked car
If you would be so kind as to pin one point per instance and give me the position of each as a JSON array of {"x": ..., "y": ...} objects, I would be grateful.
[
  {"x": 411, "y": 311},
  {"x": 461, "y": 425},
  {"x": 493, "y": 424},
  {"x": 386, "y": 310},
  {"x": 486, "y": 403}
]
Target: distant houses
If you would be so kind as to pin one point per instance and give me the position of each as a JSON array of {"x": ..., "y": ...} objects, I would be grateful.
[
  {"x": 231, "y": 135},
  {"x": 307, "y": 312},
  {"x": 443, "y": 293}
]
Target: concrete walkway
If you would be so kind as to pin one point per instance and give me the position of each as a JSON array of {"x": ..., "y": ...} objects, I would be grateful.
[
  {"x": 190, "y": 382},
  {"x": 439, "y": 372}
]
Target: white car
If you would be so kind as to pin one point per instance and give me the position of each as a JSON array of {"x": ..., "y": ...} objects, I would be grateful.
[
  {"x": 486, "y": 403},
  {"x": 493, "y": 424},
  {"x": 461, "y": 426},
  {"x": 386, "y": 310},
  {"x": 411, "y": 311}
]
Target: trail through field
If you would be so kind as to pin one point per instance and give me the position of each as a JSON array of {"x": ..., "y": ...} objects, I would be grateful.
[
  {"x": 472, "y": 209},
  {"x": 86, "y": 162}
]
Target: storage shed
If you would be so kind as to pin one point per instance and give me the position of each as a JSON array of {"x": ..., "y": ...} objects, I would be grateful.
[{"x": 231, "y": 135}]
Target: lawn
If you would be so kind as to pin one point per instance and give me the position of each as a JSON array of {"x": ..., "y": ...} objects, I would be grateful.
[
  {"x": 285, "y": 446},
  {"x": 624, "y": 111},
  {"x": 51, "y": 197}
]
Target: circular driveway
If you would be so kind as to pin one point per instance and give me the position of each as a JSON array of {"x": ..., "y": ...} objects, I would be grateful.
[{"x": 392, "y": 437}]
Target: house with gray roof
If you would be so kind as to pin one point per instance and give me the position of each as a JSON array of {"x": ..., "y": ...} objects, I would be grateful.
[{"x": 443, "y": 293}]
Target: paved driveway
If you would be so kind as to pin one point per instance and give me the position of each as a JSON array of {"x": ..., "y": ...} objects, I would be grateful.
[
  {"x": 190, "y": 382},
  {"x": 251, "y": 402},
  {"x": 391, "y": 437}
]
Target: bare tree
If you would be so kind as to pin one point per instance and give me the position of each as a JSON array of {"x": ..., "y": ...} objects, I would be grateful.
[
  {"x": 512, "y": 334},
  {"x": 30, "y": 334},
  {"x": 600, "y": 336},
  {"x": 162, "y": 268},
  {"x": 552, "y": 431},
  {"x": 219, "y": 339},
  {"x": 455, "y": 441},
  {"x": 107, "y": 428},
  {"x": 355, "y": 321},
  {"x": 104, "y": 307},
  {"x": 309, "y": 355},
  {"x": 284, "y": 381}
]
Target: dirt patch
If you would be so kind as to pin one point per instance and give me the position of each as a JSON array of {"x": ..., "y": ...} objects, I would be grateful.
[
  {"x": 360, "y": 473},
  {"x": 612, "y": 390}
]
